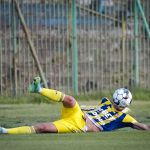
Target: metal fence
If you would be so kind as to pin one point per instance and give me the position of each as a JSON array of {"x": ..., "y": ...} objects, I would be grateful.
[{"x": 78, "y": 46}]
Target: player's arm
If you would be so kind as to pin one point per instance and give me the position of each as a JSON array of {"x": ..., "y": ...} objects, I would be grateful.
[
  {"x": 140, "y": 126},
  {"x": 131, "y": 122}
]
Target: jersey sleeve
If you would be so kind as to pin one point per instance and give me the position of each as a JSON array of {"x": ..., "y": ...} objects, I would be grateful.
[{"x": 129, "y": 119}]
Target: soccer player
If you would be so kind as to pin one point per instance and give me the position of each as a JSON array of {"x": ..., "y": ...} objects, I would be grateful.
[{"x": 107, "y": 116}]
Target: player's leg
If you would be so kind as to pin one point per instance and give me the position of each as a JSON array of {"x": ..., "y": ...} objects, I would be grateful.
[
  {"x": 54, "y": 95},
  {"x": 39, "y": 128},
  {"x": 68, "y": 102}
]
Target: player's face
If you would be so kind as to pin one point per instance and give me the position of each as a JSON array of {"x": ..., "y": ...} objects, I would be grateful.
[{"x": 117, "y": 107}]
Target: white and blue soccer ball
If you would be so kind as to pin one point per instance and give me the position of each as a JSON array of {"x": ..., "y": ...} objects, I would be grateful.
[{"x": 122, "y": 97}]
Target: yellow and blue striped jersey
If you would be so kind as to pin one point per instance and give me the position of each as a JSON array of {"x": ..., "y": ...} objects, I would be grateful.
[{"x": 107, "y": 118}]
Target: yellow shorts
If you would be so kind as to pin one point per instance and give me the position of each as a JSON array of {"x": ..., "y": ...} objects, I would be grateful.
[{"x": 72, "y": 120}]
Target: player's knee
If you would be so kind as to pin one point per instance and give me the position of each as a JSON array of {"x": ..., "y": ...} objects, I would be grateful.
[
  {"x": 43, "y": 128},
  {"x": 69, "y": 101},
  {"x": 40, "y": 128}
]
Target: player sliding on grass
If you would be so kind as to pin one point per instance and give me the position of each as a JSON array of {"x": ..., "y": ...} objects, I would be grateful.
[{"x": 107, "y": 116}]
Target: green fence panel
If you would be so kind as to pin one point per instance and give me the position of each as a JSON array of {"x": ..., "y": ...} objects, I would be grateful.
[{"x": 105, "y": 45}]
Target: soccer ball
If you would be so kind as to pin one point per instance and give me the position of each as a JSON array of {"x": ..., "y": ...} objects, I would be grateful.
[{"x": 122, "y": 97}]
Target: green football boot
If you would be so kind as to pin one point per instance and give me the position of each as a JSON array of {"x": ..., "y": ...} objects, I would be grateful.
[{"x": 35, "y": 86}]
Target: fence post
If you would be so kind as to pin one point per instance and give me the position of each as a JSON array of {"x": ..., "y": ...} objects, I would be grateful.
[
  {"x": 14, "y": 48},
  {"x": 143, "y": 17},
  {"x": 74, "y": 49},
  {"x": 1, "y": 66},
  {"x": 136, "y": 47}
]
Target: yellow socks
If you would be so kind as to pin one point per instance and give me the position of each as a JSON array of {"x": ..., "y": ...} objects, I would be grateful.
[
  {"x": 21, "y": 130},
  {"x": 52, "y": 94}
]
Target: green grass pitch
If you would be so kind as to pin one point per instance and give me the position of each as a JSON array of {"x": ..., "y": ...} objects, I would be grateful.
[{"x": 30, "y": 114}]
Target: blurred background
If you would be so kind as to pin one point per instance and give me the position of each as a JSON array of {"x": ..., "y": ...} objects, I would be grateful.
[{"x": 76, "y": 46}]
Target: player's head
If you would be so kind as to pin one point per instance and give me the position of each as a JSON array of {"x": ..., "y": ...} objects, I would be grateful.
[{"x": 122, "y": 98}]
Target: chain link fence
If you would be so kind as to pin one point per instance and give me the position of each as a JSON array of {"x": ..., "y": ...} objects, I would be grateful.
[{"x": 37, "y": 40}]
